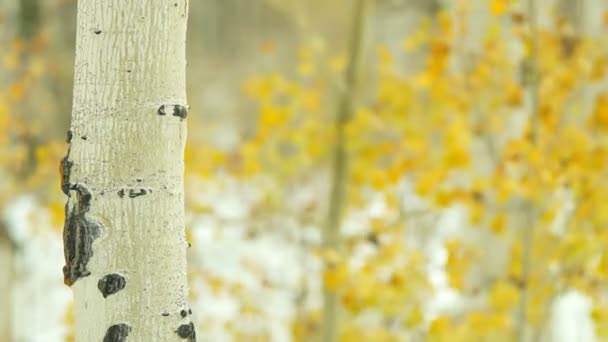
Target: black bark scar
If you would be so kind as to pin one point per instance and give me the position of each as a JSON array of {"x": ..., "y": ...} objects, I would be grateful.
[
  {"x": 111, "y": 284},
  {"x": 117, "y": 333},
  {"x": 187, "y": 331},
  {"x": 79, "y": 232},
  {"x": 65, "y": 168},
  {"x": 178, "y": 110},
  {"x": 140, "y": 192}
]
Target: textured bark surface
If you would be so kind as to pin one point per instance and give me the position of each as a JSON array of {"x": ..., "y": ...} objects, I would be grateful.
[
  {"x": 7, "y": 260},
  {"x": 124, "y": 232}
]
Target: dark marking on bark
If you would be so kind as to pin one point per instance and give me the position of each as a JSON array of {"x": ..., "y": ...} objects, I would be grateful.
[
  {"x": 189, "y": 245},
  {"x": 187, "y": 331},
  {"x": 175, "y": 4},
  {"x": 140, "y": 192},
  {"x": 69, "y": 138},
  {"x": 97, "y": 31},
  {"x": 79, "y": 232},
  {"x": 190, "y": 311},
  {"x": 165, "y": 314},
  {"x": 111, "y": 284},
  {"x": 117, "y": 333},
  {"x": 128, "y": 70},
  {"x": 180, "y": 111},
  {"x": 183, "y": 313},
  {"x": 121, "y": 193},
  {"x": 84, "y": 137},
  {"x": 138, "y": 180},
  {"x": 65, "y": 168}
]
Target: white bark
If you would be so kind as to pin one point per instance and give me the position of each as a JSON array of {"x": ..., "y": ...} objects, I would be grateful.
[
  {"x": 6, "y": 286},
  {"x": 124, "y": 233}
]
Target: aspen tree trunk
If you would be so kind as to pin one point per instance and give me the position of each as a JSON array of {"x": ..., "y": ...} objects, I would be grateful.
[
  {"x": 331, "y": 232},
  {"x": 124, "y": 238},
  {"x": 29, "y": 18},
  {"x": 7, "y": 260},
  {"x": 529, "y": 212}
]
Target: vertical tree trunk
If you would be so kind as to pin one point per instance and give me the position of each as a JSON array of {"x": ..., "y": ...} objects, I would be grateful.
[
  {"x": 29, "y": 18},
  {"x": 331, "y": 231},
  {"x": 529, "y": 212},
  {"x": 124, "y": 235},
  {"x": 7, "y": 255}
]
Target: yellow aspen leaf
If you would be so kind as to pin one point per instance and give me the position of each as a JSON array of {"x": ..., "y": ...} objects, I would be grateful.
[
  {"x": 445, "y": 21},
  {"x": 515, "y": 269},
  {"x": 503, "y": 295},
  {"x": 598, "y": 69},
  {"x": 456, "y": 156},
  {"x": 514, "y": 94},
  {"x": 57, "y": 214},
  {"x": 258, "y": 88},
  {"x": 599, "y": 117},
  {"x": 429, "y": 181},
  {"x": 476, "y": 212},
  {"x": 499, "y": 223},
  {"x": 334, "y": 277},
  {"x": 599, "y": 314},
  {"x": 439, "y": 326},
  {"x": 250, "y": 164},
  {"x": 272, "y": 116},
  {"x": 379, "y": 179},
  {"x": 443, "y": 198},
  {"x": 415, "y": 317},
  {"x": 423, "y": 80}
]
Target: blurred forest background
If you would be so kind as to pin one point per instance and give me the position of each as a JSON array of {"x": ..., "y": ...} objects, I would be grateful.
[{"x": 441, "y": 176}]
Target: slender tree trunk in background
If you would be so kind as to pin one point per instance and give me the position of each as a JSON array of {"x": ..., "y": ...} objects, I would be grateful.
[
  {"x": 124, "y": 239},
  {"x": 529, "y": 211},
  {"x": 7, "y": 255},
  {"x": 29, "y": 18},
  {"x": 331, "y": 232}
]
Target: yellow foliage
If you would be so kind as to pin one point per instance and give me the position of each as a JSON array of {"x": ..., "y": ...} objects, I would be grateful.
[
  {"x": 503, "y": 296},
  {"x": 438, "y": 328},
  {"x": 335, "y": 276},
  {"x": 499, "y": 223},
  {"x": 599, "y": 117},
  {"x": 498, "y": 7}
]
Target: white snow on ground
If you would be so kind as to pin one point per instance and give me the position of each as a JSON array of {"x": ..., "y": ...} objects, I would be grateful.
[
  {"x": 571, "y": 318},
  {"x": 40, "y": 298},
  {"x": 267, "y": 267}
]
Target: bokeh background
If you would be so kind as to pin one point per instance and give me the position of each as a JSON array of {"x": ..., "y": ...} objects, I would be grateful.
[{"x": 475, "y": 204}]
